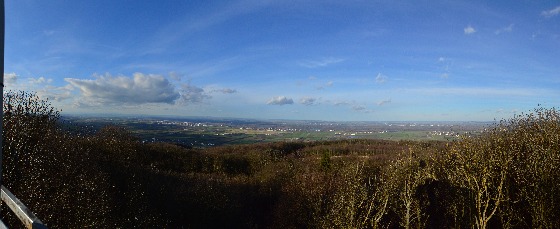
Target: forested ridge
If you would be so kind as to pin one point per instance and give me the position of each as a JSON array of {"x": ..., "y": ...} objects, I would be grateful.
[{"x": 507, "y": 177}]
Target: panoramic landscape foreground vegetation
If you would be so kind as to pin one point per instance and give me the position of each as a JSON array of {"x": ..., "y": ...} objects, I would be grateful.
[{"x": 505, "y": 177}]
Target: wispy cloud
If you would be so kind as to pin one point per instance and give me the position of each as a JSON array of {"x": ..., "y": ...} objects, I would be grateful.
[
  {"x": 41, "y": 85},
  {"x": 280, "y": 100},
  {"x": 56, "y": 93},
  {"x": 170, "y": 34},
  {"x": 380, "y": 78},
  {"x": 320, "y": 63},
  {"x": 353, "y": 105},
  {"x": 328, "y": 84},
  {"x": 40, "y": 80},
  {"x": 360, "y": 108},
  {"x": 551, "y": 12},
  {"x": 480, "y": 91},
  {"x": 224, "y": 90},
  {"x": 176, "y": 76},
  {"x": 308, "y": 101},
  {"x": 383, "y": 102},
  {"x": 49, "y": 32},
  {"x": 444, "y": 66},
  {"x": 503, "y": 111},
  {"x": 507, "y": 29},
  {"x": 10, "y": 79},
  {"x": 341, "y": 103},
  {"x": 469, "y": 30}
]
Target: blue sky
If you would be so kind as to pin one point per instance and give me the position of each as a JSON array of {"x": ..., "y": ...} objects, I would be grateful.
[{"x": 318, "y": 60}]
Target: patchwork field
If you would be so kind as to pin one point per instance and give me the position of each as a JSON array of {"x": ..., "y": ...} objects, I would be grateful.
[{"x": 205, "y": 132}]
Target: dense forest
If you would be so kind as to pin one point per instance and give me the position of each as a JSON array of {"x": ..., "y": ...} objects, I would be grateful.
[{"x": 507, "y": 177}]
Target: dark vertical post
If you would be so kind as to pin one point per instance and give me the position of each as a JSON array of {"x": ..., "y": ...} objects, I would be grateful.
[{"x": 2, "y": 27}]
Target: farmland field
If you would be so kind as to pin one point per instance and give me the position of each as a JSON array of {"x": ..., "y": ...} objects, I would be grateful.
[{"x": 205, "y": 132}]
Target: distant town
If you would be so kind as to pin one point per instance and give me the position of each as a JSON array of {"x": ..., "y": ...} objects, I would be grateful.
[{"x": 208, "y": 132}]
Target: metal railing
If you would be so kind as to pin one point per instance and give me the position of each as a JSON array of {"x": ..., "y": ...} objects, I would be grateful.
[{"x": 20, "y": 210}]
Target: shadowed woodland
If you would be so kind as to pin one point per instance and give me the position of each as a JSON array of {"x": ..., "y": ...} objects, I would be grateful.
[{"x": 508, "y": 177}]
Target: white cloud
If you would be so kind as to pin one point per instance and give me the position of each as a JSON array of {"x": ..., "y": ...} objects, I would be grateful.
[
  {"x": 138, "y": 89},
  {"x": 191, "y": 94},
  {"x": 280, "y": 100},
  {"x": 469, "y": 30},
  {"x": 222, "y": 90},
  {"x": 501, "y": 110},
  {"x": 10, "y": 79},
  {"x": 40, "y": 80},
  {"x": 56, "y": 93},
  {"x": 328, "y": 84},
  {"x": 211, "y": 89},
  {"x": 551, "y": 12},
  {"x": 383, "y": 102},
  {"x": 358, "y": 108},
  {"x": 320, "y": 63},
  {"x": 227, "y": 90},
  {"x": 175, "y": 76},
  {"x": 341, "y": 103},
  {"x": 507, "y": 29},
  {"x": 308, "y": 101},
  {"x": 444, "y": 63},
  {"x": 352, "y": 105},
  {"x": 39, "y": 85},
  {"x": 380, "y": 78}
]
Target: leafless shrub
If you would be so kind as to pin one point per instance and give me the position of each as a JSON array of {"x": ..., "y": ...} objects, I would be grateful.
[
  {"x": 360, "y": 201},
  {"x": 406, "y": 175},
  {"x": 46, "y": 168},
  {"x": 512, "y": 171}
]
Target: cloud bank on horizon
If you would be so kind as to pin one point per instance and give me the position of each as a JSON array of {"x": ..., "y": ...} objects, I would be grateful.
[{"x": 380, "y": 60}]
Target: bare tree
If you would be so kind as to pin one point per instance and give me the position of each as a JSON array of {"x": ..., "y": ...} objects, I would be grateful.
[
  {"x": 482, "y": 167},
  {"x": 407, "y": 174}
]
